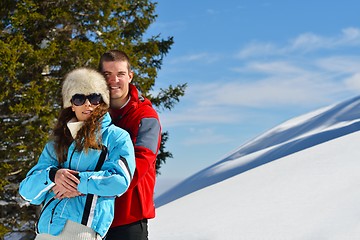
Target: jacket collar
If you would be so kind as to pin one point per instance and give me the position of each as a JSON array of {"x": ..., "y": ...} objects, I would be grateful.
[
  {"x": 132, "y": 103},
  {"x": 106, "y": 121}
]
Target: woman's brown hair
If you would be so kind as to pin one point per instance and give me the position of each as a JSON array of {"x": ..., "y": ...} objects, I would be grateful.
[{"x": 87, "y": 137}]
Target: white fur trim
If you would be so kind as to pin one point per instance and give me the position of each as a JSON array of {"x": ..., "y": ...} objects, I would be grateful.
[{"x": 74, "y": 127}]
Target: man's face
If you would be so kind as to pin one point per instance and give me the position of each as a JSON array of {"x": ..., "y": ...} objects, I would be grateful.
[{"x": 118, "y": 78}]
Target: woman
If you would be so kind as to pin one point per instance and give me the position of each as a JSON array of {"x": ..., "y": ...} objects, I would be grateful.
[{"x": 84, "y": 167}]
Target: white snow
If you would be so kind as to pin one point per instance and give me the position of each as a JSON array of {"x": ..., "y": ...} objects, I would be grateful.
[{"x": 299, "y": 180}]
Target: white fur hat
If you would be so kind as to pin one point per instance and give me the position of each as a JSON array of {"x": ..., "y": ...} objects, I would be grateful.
[{"x": 84, "y": 81}]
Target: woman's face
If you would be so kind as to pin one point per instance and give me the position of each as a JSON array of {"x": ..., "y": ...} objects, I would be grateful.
[{"x": 83, "y": 106}]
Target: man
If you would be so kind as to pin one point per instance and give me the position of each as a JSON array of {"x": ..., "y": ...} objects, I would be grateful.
[{"x": 134, "y": 113}]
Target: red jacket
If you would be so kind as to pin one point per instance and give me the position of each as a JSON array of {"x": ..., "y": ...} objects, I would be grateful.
[{"x": 139, "y": 118}]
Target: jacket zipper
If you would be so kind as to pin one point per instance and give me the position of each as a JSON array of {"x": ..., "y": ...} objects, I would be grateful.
[
  {"x": 53, "y": 211},
  {"x": 43, "y": 209},
  {"x": 71, "y": 158}
]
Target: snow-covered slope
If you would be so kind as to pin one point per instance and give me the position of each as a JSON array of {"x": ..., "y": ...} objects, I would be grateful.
[
  {"x": 292, "y": 136},
  {"x": 309, "y": 192}
]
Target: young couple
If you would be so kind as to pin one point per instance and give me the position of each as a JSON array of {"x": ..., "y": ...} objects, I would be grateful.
[{"x": 95, "y": 180}]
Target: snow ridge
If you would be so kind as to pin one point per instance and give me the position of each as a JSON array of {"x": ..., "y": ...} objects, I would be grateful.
[{"x": 290, "y": 137}]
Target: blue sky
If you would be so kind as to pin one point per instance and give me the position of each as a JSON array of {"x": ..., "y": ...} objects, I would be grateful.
[{"x": 249, "y": 66}]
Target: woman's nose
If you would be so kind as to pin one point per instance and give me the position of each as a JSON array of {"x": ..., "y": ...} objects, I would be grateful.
[{"x": 87, "y": 102}]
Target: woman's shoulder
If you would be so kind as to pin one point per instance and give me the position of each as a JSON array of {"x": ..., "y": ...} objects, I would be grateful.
[
  {"x": 50, "y": 144},
  {"x": 116, "y": 131}
]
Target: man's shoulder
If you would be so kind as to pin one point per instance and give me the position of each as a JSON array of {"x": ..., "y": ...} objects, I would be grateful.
[
  {"x": 147, "y": 111},
  {"x": 142, "y": 107}
]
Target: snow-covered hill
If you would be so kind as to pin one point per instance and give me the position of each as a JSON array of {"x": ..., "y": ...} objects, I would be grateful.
[{"x": 309, "y": 192}]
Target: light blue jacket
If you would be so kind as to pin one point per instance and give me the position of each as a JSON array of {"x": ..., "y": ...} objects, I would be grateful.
[{"x": 112, "y": 180}]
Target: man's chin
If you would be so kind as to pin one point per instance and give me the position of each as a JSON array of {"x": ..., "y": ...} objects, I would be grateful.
[{"x": 116, "y": 93}]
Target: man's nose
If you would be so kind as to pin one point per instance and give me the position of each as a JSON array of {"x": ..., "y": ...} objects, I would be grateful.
[{"x": 113, "y": 78}]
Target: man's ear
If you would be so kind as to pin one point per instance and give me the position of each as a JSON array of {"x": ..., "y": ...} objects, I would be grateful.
[{"x": 131, "y": 75}]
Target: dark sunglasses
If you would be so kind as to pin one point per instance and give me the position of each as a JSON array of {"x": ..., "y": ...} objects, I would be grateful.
[{"x": 80, "y": 99}]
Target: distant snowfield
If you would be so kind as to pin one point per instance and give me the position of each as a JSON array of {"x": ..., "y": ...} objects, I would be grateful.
[{"x": 300, "y": 180}]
